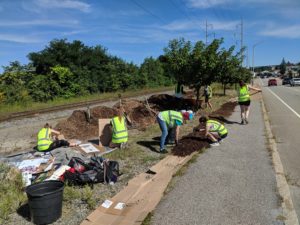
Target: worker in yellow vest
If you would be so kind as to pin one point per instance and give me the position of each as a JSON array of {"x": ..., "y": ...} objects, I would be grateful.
[
  {"x": 166, "y": 120},
  {"x": 119, "y": 131},
  {"x": 212, "y": 129},
  {"x": 244, "y": 100},
  {"x": 45, "y": 142}
]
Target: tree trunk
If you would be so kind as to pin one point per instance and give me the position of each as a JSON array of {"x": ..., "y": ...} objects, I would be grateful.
[
  {"x": 224, "y": 89},
  {"x": 198, "y": 97}
]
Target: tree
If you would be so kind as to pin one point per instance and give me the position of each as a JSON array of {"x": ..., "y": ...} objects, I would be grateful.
[
  {"x": 177, "y": 56},
  {"x": 282, "y": 67}
]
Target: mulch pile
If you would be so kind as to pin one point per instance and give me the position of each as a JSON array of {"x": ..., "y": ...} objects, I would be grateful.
[
  {"x": 77, "y": 125},
  {"x": 193, "y": 142}
]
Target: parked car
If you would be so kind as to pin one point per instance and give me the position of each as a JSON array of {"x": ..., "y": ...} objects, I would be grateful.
[
  {"x": 272, "y": 82},
  {"x": 286, "y": 80},
  {"x": 295, "y": 81}
]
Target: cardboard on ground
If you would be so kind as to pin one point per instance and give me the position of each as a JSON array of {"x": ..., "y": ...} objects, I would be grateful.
[
  {"x": 139, "y": 197},
  {"x": 89, "y": 148},
  {"x": 105, "y": 132}
]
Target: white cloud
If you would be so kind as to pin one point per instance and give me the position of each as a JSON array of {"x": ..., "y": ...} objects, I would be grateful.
[
  {"x": 65, "y": 4},
  {"x": 58, "y": 23},
  {"x": 204, "y": 4},
  {"x": 19, "y": 38},
  {"x": 292, "y": 32}
]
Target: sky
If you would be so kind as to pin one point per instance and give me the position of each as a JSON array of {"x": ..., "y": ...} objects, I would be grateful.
[{"x": 136, "y": 29}]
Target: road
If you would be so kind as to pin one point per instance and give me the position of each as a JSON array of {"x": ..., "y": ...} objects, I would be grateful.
[
  {"x": 283, "y": 107},
  {"x": 231, "y": 184}
]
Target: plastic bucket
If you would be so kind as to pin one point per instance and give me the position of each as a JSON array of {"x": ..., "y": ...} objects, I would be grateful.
[{"x": 45, "y": 201}]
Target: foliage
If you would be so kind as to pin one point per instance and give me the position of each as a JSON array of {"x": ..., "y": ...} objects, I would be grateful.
[
  {"x": 282, "y": 67},
  {"x": 71, "y": 69}
]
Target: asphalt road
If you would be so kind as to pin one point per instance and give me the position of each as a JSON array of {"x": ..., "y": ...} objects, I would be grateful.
[
  {"x": 227, "y": 185},
  {"x": 283, "y": 106}
]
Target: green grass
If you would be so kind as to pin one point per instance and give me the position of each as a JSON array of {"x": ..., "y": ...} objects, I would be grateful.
[
  {"x": 11, "y": 191},
  {"x": 20, "y": 107}
]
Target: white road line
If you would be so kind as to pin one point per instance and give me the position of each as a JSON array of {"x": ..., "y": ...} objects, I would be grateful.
[{"x": 289, "y": 107}]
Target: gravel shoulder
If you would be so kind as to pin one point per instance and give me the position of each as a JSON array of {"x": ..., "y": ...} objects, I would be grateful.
[{"x": 230, "y": 184}]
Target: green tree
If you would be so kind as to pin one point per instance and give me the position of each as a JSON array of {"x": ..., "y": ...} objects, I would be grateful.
[{"x": 282, "y": 67}]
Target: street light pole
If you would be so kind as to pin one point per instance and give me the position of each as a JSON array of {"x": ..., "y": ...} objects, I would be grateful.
[{"x": 257, "y": 43}]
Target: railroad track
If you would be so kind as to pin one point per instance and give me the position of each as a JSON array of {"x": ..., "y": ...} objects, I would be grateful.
[{"x": 32, "y": 113}]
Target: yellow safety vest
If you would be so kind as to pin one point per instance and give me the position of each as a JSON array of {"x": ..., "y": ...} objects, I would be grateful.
[
  {"x": 244, "y": 94},
  {"x": 120, "y": 133},
  {"x": 44, "y": 139},
  {"x": 170, "y": 116},
  {"x": 216, "y": 126}
]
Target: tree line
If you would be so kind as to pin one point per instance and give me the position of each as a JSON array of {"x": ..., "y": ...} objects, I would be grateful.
[{"x": 69, "y": 69}]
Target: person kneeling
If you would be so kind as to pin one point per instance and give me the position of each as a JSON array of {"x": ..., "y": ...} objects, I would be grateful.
[
  {"x": 45, "y": 142},
  {"x": 213, "y": 130}
]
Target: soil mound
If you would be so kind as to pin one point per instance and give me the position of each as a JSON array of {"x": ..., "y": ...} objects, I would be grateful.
[
  {"x": 101, "y": 112},
  {"x": 78, "y": 127},
  {"x": 193, "y": 142},
  {"x": 168, "y": 102}
]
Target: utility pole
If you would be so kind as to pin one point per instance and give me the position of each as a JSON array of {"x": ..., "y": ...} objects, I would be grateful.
[
  {"x": 206, "y": 32},
  {"x": 242, "y": 37},
  {"x": 241, "y": 40}
]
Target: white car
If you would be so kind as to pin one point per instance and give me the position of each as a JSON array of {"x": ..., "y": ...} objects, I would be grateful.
[{"x": 294, "y": 81}]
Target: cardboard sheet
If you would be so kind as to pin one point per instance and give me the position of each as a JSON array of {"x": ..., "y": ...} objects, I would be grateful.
[
  {"x": 139, "y": 197},
  {"x": 105, "y": 132}
]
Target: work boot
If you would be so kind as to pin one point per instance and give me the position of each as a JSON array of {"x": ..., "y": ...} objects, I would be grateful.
[{"x": 242, "y": 122}]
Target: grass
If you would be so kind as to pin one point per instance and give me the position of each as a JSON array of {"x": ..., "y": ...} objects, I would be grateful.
[
  {"x": 12, "y": 195},
  {"x": 6, "y": 109}
]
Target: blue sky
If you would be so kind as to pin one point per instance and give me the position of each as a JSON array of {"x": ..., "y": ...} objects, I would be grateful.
[{"x": 136, "y": 29}]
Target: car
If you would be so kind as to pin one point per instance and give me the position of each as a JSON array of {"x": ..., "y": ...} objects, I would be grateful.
[
  {"x": 272, "y": 82},
  {"x": 295, "y": 81},
  {"x": 286, "y": 80}
]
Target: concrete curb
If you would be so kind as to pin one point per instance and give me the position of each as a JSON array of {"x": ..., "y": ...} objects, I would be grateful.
[{"x": 283, "y": 188}]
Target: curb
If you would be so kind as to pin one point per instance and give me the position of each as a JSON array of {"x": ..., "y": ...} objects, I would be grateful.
[{"x": 289, "y": 212}]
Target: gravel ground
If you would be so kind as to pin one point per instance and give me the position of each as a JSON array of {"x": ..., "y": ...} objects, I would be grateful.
[
  {"x": 20, "y": 134},
  {"x": 230, "y": 184}
]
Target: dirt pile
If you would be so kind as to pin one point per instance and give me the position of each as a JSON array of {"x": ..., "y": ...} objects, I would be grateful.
[
  {"x": 167, "y": 102},
  {"x": 193, "y": 142},
  {"x": 77, "y": 126}
]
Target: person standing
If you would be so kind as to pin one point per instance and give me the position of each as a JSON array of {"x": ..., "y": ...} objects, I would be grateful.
[
  {"x": 212, "y": 129},
  {"x": 244, "y": 100},
  {"x": 167, "y": 120},
  {"x": 45, "y": 143},
  {"x": 207, "y": 96}
]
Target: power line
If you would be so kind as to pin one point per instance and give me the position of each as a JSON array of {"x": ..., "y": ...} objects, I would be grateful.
[{"x": 147, "y": 11}]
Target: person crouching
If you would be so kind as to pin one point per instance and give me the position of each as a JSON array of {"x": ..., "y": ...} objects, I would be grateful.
[{"x": 213, "y": 130}]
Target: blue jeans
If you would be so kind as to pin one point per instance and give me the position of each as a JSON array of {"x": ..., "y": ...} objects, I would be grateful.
[{"x": 164, "y": 130}]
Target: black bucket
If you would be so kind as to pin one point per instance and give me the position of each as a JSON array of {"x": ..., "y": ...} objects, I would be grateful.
[{"x": 45, "y": 201}]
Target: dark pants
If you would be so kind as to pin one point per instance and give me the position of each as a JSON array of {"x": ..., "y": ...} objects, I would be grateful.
[{"x": 57, "y": 144}]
